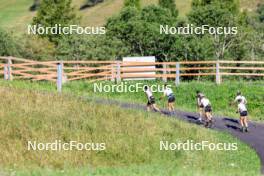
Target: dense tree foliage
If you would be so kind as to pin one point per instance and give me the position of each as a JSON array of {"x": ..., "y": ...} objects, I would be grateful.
[
  {"x": 169, "y": 4},
  {"x": 78, "y": 47},
  {"x": 25, "y": 46},
  {"x": 52, "y": 12},
  {"x": 8, "y": 46},
  {"x": 140, "y": 29},
  {"x": 136, "y": 31},
  {"x": 132, "y": 3},
  {"x": 36, "y": 48},
  {"x": 217, "y": 14}
]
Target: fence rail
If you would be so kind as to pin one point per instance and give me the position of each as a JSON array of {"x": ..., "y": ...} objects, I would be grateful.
[{"x": 62, "y": 71}]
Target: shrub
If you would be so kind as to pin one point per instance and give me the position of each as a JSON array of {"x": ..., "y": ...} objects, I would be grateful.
[
  {"x": 8, "y": 46},
  {"x": 53, "y": 12},
  {"x": 78, "y": 47},
  {"x": 36, "y": 48}
]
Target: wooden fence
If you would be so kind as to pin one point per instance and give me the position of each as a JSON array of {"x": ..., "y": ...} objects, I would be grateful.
[{"x": 63, "y": 71}]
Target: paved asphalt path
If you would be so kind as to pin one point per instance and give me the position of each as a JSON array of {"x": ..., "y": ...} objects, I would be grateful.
[{"x": 254, "y": 138}]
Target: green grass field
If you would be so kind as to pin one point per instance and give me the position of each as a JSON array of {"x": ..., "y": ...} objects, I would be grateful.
[
  {"x": 14, "y": 14},
  {"x": 219, "y": 95},
  {"x": 32, "y": 111}
]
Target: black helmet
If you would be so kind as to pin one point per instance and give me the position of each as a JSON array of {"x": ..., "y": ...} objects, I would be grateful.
[{"x": 145, "y": 87}]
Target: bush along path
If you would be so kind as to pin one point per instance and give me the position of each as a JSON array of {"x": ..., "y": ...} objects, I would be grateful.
[{"x": 254, "y": 138}]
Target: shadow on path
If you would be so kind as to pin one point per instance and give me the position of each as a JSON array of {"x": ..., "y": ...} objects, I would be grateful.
[
  {"x": 232, "y": 126},
  {"x": 231, "y": 120}
]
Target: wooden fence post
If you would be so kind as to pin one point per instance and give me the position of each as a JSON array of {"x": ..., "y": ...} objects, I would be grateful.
[
  {"x": 5, "y": 72},
  {"x": 118, "y": 79},
  {"x": 112, "y": 73},
  {"x": 177, "y": 78},
  {"x": 9, "y": 69},
  {"x": 164, "y": 78},
  {"x": 64, "y": 76},
  {"x": 59, "y": 76},
  {"x": 218, "y": 74}
]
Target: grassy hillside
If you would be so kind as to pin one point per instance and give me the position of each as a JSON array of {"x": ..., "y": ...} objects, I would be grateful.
[
  {"x": 132, "y": 139},
  {"x": 15, "y": 14}
]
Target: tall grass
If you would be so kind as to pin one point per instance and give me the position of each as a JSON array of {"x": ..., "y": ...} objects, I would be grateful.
[
  {"x": 220, "y": 95},
  {"x": 132, "y": 139},
  {"x": 15, "y": 15}
]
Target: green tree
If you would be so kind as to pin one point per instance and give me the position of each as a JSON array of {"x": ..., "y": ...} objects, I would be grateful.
[
  {"x": 52, "y": 12},
  {"x": 8, "y": 46},
  {"x": 217, "y": 14},
  {"x": 132, "y": 3},
  {"x": 30, "y": 48},
  {"x": 77, "y": 47},
  {"x": 169, "y": 4},
  {"x": 254, "y": 36},
  {"x": 140, "y": 30}
]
